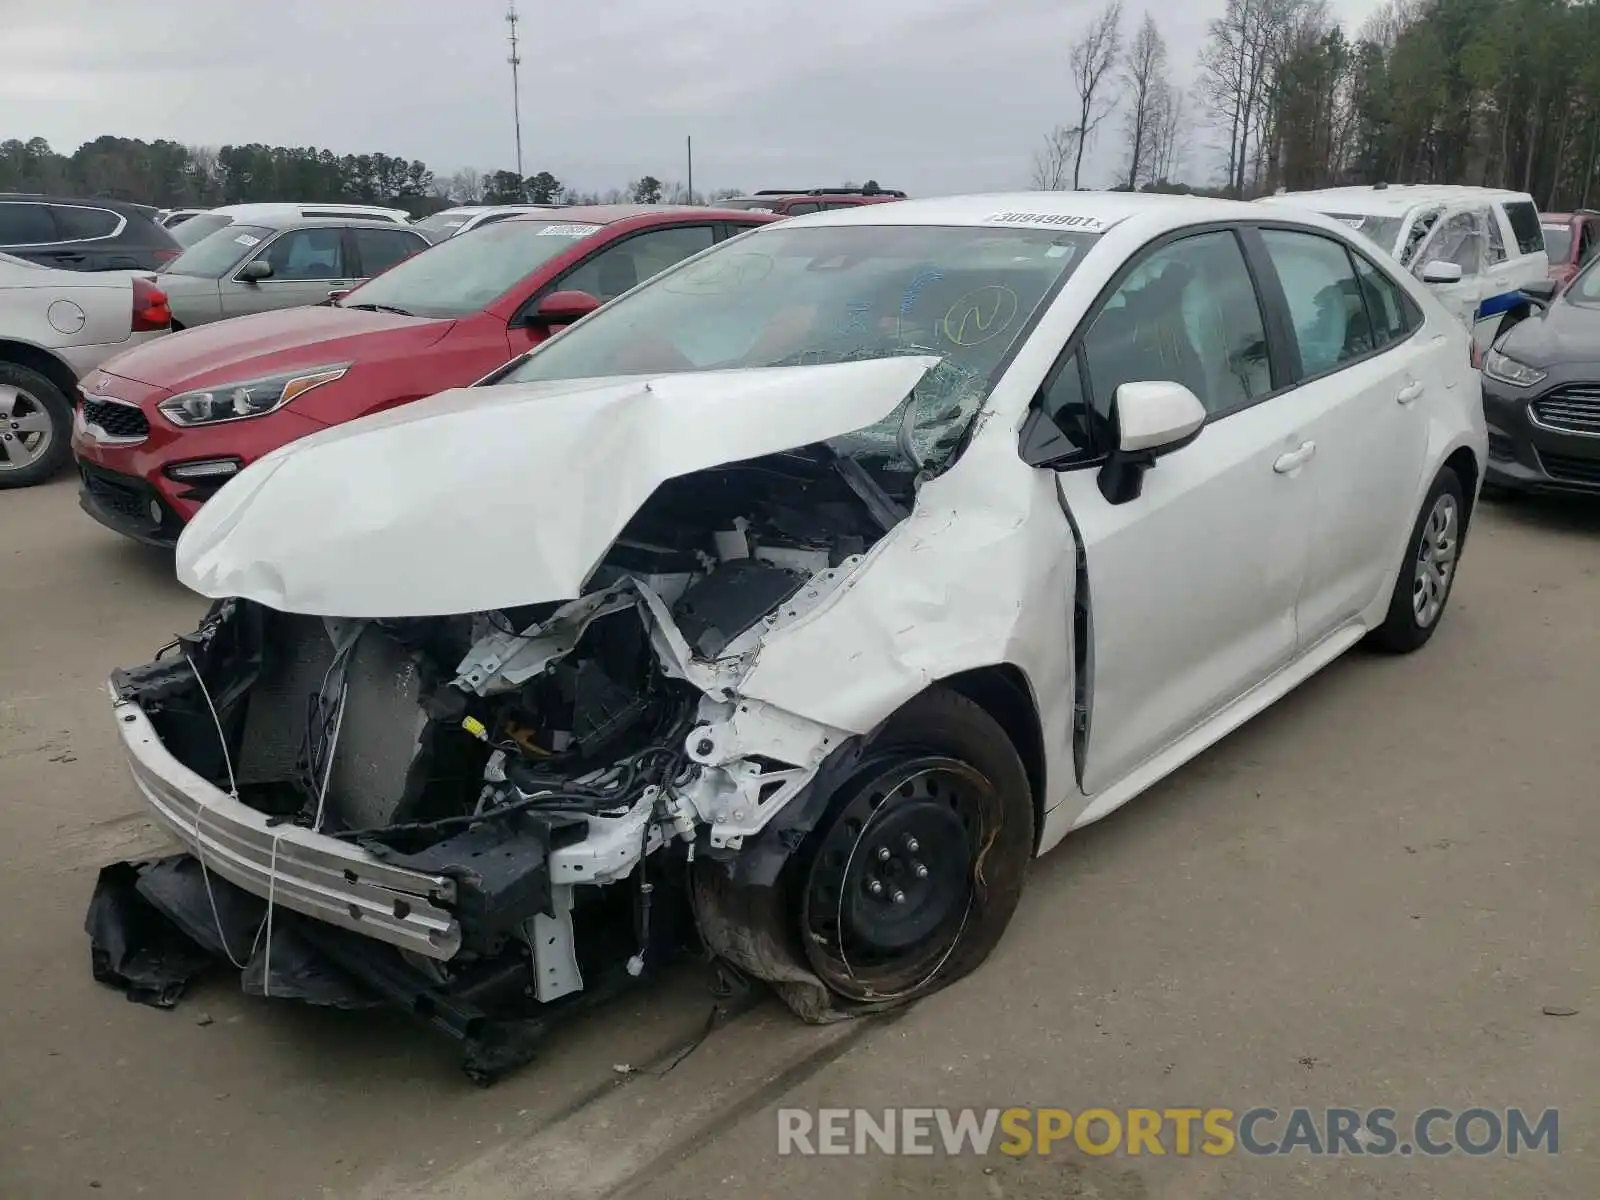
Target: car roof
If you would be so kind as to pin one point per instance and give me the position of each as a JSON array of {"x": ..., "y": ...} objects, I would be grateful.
[
  {"x": 295, "y": 221},
  {"x": 277, "y": 206},
  {"x": 121, "y": 206},
  {"x": 1394, "y": 200},
  {"x": 610, "y": 214},
  {"x": 1085, "y": 212}
]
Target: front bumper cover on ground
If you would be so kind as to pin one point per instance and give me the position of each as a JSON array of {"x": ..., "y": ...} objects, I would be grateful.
[{"x": 309, "y": 873}]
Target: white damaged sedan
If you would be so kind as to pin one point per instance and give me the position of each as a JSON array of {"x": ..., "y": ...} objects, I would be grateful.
[{"x": 815, "y": 586}]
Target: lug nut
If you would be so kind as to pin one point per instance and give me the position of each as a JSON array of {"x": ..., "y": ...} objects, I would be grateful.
[
  {"x": 883, "y": 854},
  {"x": 912, "y": 844},
  {"x": 898, "y": 897},
  {"x": 920, "y": 871},
  {"x": 875, "y": 887}
]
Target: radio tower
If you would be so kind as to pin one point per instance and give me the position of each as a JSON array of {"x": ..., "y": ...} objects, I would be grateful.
[{"x": 516, "y": 97}]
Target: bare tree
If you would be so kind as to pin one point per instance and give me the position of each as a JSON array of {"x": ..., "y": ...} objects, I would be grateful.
[
  {"x": 1091, "y": 60},
  {"x": 1050, "y": 161},
  {"x": 1143, "y": 76},
  {"x": 1166, "y": 134},
  {"x": 1238, "y": 74},
  {"x": 466, "y": 186}
]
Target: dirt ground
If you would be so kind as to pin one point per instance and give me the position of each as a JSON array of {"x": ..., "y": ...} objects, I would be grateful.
[{"x": 1368, "y": 896}]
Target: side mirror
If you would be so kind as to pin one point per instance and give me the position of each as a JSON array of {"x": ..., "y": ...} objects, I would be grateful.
[
  {"x": 255, "y": 271},
  {"x": 1541, "y": 291},
  {"x": 563, "y": 308},
  {"x": 1150, "y": 419},
  {"x": 1439, "y": 271}
]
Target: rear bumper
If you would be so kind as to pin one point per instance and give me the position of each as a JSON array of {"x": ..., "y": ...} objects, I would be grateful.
[{"x": 313, "y": 874}]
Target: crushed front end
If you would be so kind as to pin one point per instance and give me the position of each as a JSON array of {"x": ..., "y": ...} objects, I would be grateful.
[{"x": 492, "y": 818}]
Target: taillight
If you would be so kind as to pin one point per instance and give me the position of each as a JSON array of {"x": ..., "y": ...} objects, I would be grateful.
[{"x": 150, "y": 308}]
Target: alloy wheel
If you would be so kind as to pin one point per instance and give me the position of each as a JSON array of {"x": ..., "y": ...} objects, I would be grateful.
[{"x": 26, "y": 430}]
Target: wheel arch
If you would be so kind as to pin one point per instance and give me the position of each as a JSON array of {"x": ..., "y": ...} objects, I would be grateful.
[
  {"x": 1465, "y": 465},
  {"x": 26, "y": 354},
  {"x": 1003, "y": 691}
]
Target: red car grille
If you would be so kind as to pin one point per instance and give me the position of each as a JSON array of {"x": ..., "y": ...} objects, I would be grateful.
[{"x": 118, "y": 420}]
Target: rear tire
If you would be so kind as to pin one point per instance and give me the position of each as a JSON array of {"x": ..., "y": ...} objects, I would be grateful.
[
  {"x": 914, "y": 871},
  {"x": 1429, "y": 571},
  {"x": 35, "y": 427}
]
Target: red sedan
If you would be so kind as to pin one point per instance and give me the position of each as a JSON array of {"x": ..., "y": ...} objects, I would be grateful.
[{"x": 162, "y": 427}]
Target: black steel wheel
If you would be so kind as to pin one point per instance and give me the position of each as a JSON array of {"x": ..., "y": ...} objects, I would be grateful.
[{"x": 917, "y": 867}]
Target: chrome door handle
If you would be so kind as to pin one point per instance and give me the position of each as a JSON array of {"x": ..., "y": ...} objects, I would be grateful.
[
  {"x": 1294, "y": 458},
  {"x": 1409, "y": 393}
]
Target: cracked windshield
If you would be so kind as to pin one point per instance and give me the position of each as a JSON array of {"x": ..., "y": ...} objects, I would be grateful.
[{"x": 798, "y": 296}]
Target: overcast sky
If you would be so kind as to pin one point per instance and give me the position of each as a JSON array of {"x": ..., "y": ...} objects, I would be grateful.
[{"x": 932, "y": 96}]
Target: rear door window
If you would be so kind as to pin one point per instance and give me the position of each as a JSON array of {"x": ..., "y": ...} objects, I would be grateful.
[
  {"x": 26, "y": 225},
  {"x": 380, "y": 249},
  {"x": 1524, "y": 220}
]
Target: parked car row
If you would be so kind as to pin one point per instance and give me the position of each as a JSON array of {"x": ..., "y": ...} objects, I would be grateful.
[
  {"x": 162, "y": 429},
  {"x": 83, "y": 235},
  {"x": 824, "y": 574},
  {"x": 280, "y": 260}
]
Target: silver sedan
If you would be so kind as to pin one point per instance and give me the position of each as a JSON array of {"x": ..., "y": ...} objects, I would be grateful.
[
  {"x": 56, "y": 327},
  {"x": 280, "y": 263}
]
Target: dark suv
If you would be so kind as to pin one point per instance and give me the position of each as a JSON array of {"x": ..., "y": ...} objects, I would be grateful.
[
  {"x": 794, "y": 202},
  {"x": 83, "y": 235}
]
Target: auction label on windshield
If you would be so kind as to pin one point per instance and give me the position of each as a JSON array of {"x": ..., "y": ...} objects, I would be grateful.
[
  {"x": 1051, "y": 221},
  {"x": 245, "y": 239},
  {"x": 571, "y": 231}
]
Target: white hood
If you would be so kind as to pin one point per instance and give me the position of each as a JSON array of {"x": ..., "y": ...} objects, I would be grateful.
[{"x": 484, "y": 498}]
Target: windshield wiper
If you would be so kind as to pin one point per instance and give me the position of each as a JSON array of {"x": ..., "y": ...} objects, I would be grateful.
[{"x": 388, "y": 308}]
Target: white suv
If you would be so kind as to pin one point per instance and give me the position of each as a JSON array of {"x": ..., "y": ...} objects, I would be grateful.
[{"x": 1474, "y": 246}]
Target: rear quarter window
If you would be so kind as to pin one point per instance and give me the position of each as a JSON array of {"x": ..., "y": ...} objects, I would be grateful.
[
  {"x": 1525, "y": 226},
  {"x": 82, "y": 224}
]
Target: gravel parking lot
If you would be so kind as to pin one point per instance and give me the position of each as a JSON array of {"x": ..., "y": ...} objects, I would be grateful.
[{"x": 1367, "y": 897}]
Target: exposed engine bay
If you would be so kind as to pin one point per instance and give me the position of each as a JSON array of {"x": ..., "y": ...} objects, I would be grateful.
[{"x": 523, "y": 759}]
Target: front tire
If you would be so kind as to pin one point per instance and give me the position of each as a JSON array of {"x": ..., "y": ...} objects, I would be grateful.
[
  {"x": 35, "y": 427},
  {"x": 912, "y": 875},
  {"x": 1429, "y": 570}
]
